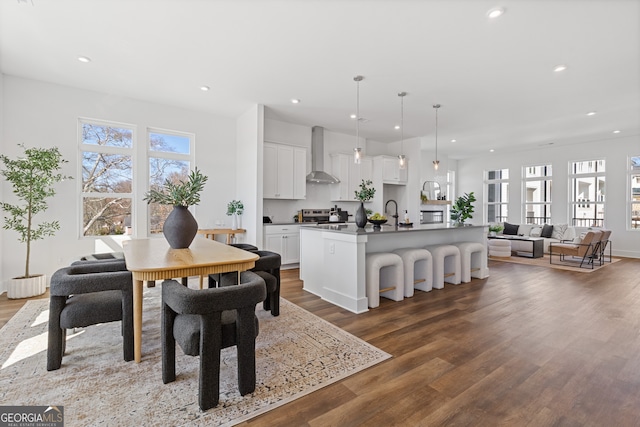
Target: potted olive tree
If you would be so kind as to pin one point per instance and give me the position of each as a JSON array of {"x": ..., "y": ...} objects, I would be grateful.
[
  {"x": 33, "y": 177},
  {"x": 180, "y": 227}
]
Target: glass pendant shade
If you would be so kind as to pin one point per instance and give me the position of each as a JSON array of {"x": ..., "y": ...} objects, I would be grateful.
[
  {"x": 402, "y": 159},
  {"x": 357, "y": 155},
  {"x": 357, "y": 152},
  {"x": 436, "y": 162}
]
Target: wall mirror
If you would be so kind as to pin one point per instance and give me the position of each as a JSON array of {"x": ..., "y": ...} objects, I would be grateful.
[{"x": 430, "y": 191}]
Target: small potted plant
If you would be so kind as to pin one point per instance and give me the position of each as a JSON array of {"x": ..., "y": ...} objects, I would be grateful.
[
  {"x": 365, "y": 194},
  {"x": 32, "y": 177},
  {"x": 462, "y": 209},
  {"x": 180, "y": 227},
  {"x": 235, "y": 209},
  {"x": 494, "y": 229}
]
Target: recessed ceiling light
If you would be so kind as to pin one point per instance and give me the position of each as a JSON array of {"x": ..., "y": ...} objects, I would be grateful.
[
  {"x": 295, "y": 101},
  {"x": 453, "y": 140},
  {"x": 616, "y": 131},
  {"x": 559, "y": 68},
  {"x": 591, "y": 113},
  {"x": 84, "y": 59},
  {"x": 492, "y": 150},
  {"x": 396, "y": 127},
  {"x": 496, "y": 12},
  {"x": 204, "y": 88},
  {"x": 353, "y": 116}
]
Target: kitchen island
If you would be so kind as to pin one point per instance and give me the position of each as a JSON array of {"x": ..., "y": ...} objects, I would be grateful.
[{"x": 332, "y": 257}]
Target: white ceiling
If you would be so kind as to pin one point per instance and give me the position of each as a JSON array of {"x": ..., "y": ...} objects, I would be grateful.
[{"x": 494, "y": 78}]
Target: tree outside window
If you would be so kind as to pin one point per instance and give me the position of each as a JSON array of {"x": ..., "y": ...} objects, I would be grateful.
[{"x": 107, "y": 177}]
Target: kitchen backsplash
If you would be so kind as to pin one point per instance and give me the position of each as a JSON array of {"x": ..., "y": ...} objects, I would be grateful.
[{"x": 318, "y": 197}]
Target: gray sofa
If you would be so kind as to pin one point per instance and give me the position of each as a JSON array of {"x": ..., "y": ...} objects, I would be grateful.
[{"x": 559, "y": 233}]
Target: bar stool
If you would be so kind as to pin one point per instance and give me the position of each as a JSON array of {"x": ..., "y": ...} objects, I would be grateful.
[
  {"x": 418, "y": 269},
  {"x": 446, "y": 264},
  {"x": 384, "y": 277},
  {"x": 500, "y": 248},
  {"x": 473, "y": 260}
]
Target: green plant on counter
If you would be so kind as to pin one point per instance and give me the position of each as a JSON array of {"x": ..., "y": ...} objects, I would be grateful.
[
  {"x": 366, "y": 193},
  {"x": 462, "y": 208}
]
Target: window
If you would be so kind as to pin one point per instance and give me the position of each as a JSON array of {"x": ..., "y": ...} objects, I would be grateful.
[
  {"x": 107, "y": 177},
  {"x": 497, "y": 195},
  {"x": 537, "y": 194},
  {"x": 169, "y": 158},
  {"x": 587, "y": 182},
  {"x": 634, "y": 199}
]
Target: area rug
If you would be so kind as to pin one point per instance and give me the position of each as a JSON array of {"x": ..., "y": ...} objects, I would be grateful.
[
  {"x": 568, "y": 264},
  {"x": 296, "y": 353}
]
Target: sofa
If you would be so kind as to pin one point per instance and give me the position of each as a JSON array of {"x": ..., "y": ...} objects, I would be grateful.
[{"x": 550, "y": 232}]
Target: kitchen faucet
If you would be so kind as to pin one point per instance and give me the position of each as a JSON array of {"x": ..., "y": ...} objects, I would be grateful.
[{"x": 396, "y": 215}]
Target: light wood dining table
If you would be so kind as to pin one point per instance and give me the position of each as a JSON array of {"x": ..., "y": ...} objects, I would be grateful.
[{"x": 153, "y": 259}]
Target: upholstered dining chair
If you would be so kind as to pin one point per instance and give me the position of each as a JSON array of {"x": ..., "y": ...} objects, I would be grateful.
[
  {"x": 205, "y": 321},
  {"x": 586, "y": 249},
  {"x": 86, "y": 294}
]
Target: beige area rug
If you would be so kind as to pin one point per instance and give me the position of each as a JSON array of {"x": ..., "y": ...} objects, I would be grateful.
[
  {"x": 296, "y": 354},
  {"x": 567, "y": 264}
]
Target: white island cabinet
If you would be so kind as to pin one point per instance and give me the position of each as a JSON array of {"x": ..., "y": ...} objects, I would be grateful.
[
  {"x": 284, "y": 240},
  {"x": 332, "y": 257}
]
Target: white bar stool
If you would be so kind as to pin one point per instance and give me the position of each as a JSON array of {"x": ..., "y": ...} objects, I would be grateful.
[
  {"x": 500, "y": 248},
  {"x": 418, "y": 269},
  {"x": 473, "y": 261},
  {"x": 384, "y": 276},
  {"x": 446, "y": 264}
]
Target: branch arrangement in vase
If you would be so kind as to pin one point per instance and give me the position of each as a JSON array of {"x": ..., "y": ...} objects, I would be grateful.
[
  {"x": 365, "y": 193},
  {"x": 181, "y": 193}
]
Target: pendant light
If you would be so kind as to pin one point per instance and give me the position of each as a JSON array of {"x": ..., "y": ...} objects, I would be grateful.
[
  {"x": 402, "y": 159},
  {"x": 357, "y": 152},
  {"x": 436, "y": 162}
]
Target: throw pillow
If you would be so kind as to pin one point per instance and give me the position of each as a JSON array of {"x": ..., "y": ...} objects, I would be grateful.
[
  {"x": 577, "y": 240},
  {"x": 525, "y": 229},
  {"x": 536, "y": 232},
  {"x": 546, "y": 231},
  {"x": 558, "y": 231},
  {"x": 510, "y": 229}
]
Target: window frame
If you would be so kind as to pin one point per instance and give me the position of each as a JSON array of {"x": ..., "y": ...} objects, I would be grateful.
[
  {"x": 488, "y": 181},
  {"x": 168, "y": 155},
  {"x": 82, "y": 148},
  {"x": 633, "y": 173},
  {"x": 547, "y": 177},
  {"x": 572, "y": 177}
]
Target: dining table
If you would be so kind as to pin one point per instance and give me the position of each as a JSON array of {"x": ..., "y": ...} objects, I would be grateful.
[{"x": 153, "y": 259}]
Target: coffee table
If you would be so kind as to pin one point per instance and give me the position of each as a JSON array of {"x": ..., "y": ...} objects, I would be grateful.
[
  {"x": 533, "y": 248},
  {"x": 153, "y": 259}
]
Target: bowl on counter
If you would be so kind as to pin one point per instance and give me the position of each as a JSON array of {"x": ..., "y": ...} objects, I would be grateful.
[{"x": 377, "y": 222}]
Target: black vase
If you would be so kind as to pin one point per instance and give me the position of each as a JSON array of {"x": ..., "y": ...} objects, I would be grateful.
[
  {"x": 361, "y": 216},
  {"x": 180, "y": 228}
]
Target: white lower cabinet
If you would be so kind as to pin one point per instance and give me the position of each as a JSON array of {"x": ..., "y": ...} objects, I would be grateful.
[{"x": 284, "y": 240}]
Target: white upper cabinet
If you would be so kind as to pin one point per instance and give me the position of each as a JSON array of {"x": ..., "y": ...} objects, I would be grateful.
[
  {"x": 349, "y": 174},
  {"x": 285, "y": 168},
  {"x": 391, "y": 172}
]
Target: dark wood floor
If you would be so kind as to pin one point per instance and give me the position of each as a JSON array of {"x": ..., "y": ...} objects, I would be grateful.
[{"x": 529, "y": 346}]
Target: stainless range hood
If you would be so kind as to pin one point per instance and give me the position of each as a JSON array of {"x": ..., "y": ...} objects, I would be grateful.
[{"x": 318, "y": 175}]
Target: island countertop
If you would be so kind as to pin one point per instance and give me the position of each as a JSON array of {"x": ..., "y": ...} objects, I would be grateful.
[{"x": 385, "y": 228}]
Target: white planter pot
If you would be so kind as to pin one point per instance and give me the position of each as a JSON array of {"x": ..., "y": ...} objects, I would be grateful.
[{"x": 24, "y": 288}]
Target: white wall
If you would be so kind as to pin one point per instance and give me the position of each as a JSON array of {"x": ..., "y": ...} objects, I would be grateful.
[
  {"x": 248, "y": 182},
  {"x": 614, "y": 150},
  {"x": 45, "y": 115}
]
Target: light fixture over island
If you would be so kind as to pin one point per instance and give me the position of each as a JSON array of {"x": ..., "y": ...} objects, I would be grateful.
[{"x": 332, "y": 257}]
